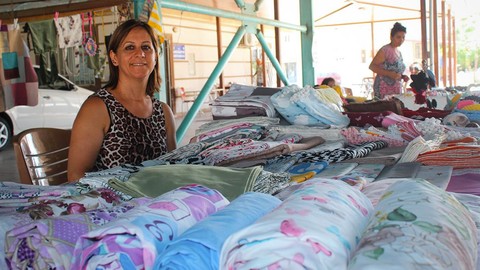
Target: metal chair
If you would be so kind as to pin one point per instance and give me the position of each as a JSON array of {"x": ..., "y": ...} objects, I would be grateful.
[{"x": 42, "y": 155}]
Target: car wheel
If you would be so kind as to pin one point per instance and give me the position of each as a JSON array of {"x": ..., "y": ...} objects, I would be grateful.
[{"x": 5, "y": 134}]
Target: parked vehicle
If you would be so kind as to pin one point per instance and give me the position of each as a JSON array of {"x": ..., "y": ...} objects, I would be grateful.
[{"x": 58, "y": 105}]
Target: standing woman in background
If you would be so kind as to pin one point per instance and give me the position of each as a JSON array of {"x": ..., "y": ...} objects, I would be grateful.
[
  {"x": 389, "y": 66},
  {"x": 123, "y": 123}
]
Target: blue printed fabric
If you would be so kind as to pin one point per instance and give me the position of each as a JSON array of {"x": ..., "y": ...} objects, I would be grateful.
[
  {"x": 199, "y": 247},
  {"x": 302, "y": 106}
]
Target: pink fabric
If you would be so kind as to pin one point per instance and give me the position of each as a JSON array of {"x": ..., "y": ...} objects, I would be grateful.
[
  {"x": 465, "y": 183},
  {"x": 393, "y": 119},
  {"x": 463, "y": 103}
]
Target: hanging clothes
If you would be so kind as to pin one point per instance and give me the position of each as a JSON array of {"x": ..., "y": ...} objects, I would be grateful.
[
  {"x": 69, "y": 31},
  {"x": 155, "y": 21},
  {"x": 18, "y": 80},
  {"x": 45, "y": 44}
]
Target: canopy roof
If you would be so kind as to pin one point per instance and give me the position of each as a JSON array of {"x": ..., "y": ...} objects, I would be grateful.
[{"x": 326, "y": 12}]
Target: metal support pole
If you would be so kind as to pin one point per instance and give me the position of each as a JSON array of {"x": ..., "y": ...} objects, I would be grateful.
[
  {"x": 272, "y": 58},
  {"x": 306, "y": 18},
  {"x": 179, "y": 5},
  {"x": 209, "y": 84},
  {"x": 240, "y": 3},
  {"x": 137, "y": 8}
]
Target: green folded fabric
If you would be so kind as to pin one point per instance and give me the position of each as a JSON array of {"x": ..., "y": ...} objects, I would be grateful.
[{"x": 156, "y": 180}]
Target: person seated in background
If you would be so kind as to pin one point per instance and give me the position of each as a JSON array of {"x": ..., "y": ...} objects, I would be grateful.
[
  {"x": 330, "y": 82},
  {"x": 123, "y": 123},
  {"x": 422, "y": 80}
]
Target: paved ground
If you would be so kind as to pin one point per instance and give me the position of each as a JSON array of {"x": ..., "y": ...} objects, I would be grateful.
[{"x": 8, "y": 164}]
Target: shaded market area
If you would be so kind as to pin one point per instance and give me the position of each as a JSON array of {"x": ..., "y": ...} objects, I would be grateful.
[{"x": 285, "y": 146}]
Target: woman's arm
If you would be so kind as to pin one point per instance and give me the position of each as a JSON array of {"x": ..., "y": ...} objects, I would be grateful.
[
  {"x": 377, "y": 66},
  {"x": 89, "y": 129},
  {"x": 170, "y": 127}
]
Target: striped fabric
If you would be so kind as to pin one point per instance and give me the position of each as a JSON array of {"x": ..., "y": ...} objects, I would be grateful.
[
  {"x": 459, "y": 156},
  {"x": 155, "y": 21}
]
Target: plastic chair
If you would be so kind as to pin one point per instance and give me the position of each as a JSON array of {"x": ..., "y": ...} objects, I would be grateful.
[
  {"x": 42, "y": 155},
  {"x": 185, "y": 99}
]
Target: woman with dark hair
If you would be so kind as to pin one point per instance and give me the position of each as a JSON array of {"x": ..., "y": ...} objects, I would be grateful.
[
  {"x": 389, "y": 66},
  {"x": 123, "y": 123}
]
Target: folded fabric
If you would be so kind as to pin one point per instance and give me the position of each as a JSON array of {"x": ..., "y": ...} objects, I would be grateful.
[
  {"x": 17, "y": 211},
  {"x": 337, "y": 169},
  {"x": 423, "y": 113},
  {"x": 387, "y": 156},
  {"x": 335, "y": 155},
  {"x": 49, "y": 243},
  {"x": 465, "y": 183},
  {"x": 354, "y": 135},
  {"x": 393, "y": 105},
  {"x": 135, "y": 240},
  {"x": 417, "y": 226},
  {"x": 361, "y": 119},
  {"x": 316, "y": 227},
  {"x": 199, "y": 247},
  {"x": 400, "y": 170},
  {"x": 322, "y": 110},
  {"x": 437, "y": 175},
  {"x": 458, "y": 156},
  {"x": 156, "y": 180},
  {"x": 365, "y": 171},
  {"x": 280, "y": 149}
]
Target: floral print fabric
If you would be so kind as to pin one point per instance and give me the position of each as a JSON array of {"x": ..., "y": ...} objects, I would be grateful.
[
  {"x": 49, "y": 243},
  {"x": 134, "y": 240},
  {"x": 316, "y": 227},
  {"x": 418, "y": 226},
  {"x": 23, "y": 204}
]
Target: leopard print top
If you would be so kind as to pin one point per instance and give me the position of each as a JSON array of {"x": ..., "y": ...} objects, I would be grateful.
[{"x": 130, "y": 139}]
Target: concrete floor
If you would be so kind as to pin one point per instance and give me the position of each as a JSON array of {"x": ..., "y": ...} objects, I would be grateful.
[{"x": 8, "y": 164}]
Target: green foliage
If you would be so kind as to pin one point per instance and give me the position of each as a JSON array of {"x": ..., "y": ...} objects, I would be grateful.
[{"x": 468, "y": 42}]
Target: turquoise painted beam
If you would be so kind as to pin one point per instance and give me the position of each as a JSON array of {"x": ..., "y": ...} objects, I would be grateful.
[
  {"x": 179, "y": 5},
  {"x": 257, "y": 4},
  {"x": 306, "y": 39},
  {"x": 240, "y": 3},
  {"x": 272, "y": 58},
  {"x": 137, "y": 8},
  {"x": 209, "y": 84}
]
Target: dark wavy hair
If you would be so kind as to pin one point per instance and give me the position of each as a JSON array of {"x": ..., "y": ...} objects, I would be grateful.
[
  {"x": 154, "y": 80},
  {"x": 397, "y": 27},
  {"x": 327, "y": 80}
]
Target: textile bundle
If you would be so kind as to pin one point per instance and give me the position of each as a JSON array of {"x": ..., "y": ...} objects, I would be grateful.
[
  {"x": 50, "y": 242},
  {"x": 199, "y": 247},
  {"x": 18, "y": 80},
  {"x": 316, "y": 227},
  {"x": 417, "y": 226},
  {"x": 155, "y": 21},
  {"x": 134, "y": 241},
  {"x": 459, "y": 156}
]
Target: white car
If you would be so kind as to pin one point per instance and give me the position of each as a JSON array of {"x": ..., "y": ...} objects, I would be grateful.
[{"x": 57, "y": 107}]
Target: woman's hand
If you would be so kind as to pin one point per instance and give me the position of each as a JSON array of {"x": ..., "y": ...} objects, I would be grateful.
[
  {"x": 405, "y": 78},
  {"x": 394, "y": 75}
]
